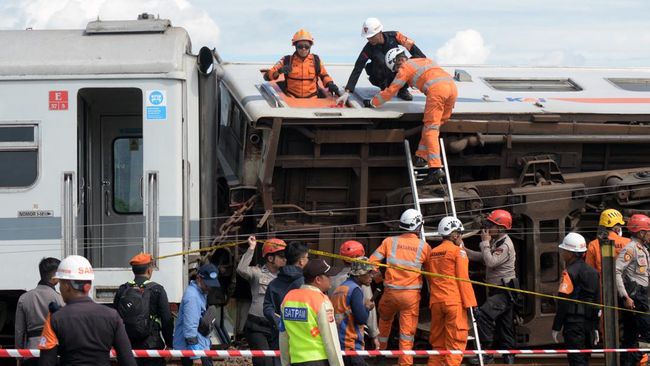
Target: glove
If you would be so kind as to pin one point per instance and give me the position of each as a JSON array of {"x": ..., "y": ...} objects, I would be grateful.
[
  {"x": 368, "y": 103},
  {"x": 194, "y": 347},
  {"x": 333, "y": 88},
  {"x": 343, "y": 99},
  {"x": 596, "y": 337},
  {"x": 555, "y": 334},
  {"x": 286, "y": 69}
]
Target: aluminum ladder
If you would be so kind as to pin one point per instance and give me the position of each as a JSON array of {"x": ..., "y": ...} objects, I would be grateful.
[{"x": 419, "y": 174}]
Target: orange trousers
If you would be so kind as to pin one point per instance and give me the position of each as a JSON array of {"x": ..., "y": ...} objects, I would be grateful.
[
  {"x": 441, "y": 98},
  {"x": 449, "y": 330},
  {"x": 407, "y": 304}
]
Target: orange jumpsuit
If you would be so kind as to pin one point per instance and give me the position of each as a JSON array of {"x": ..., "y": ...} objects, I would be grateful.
[
  {"x": 441, "y": 93},
  {"x": 449, "y": 301},
  {"x": 402, "y": 288},
  {"x": 302, "y": 81},
  {"x": 593, "y": 256}
]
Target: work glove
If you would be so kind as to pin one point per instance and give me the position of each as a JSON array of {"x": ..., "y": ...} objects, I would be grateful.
[
  {"x": 286, "y": 69},
  {"x": 343, "y": 99},
  {"x": 556, "y": 334},
  {"x": 596, "y": 336},
  {"x": 333, "y": 88},
  {"x": 368, "y": 103}
]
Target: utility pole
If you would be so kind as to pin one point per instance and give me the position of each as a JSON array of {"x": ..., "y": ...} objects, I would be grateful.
[{"x": 608, "y": 286}]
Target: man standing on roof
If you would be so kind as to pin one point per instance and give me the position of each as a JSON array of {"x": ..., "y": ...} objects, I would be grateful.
[
  {"x": 302, "y": 70},
  {"x": 632, "y": 285},
  {"x": 402, "y": 287},
  {"x": 441, "y": 93},
  {"x": 379, "y": 43},
  {"x": 450, "y": 297},
  {"x": 496, "y": 315},
  {"x": 612, "y": 221}
]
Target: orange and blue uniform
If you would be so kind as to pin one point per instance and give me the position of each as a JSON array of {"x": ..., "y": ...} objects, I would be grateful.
[
  {"x": 441, "y": 93},
  {"x": 351, "y": 314}
]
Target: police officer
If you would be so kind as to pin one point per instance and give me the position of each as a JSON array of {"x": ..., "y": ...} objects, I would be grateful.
[
  {"x": 578, "y": 322},
  {"x": 82, "y": 332},
  {"x": 632, "y": 285},
  {"x": 497, "y": 313}
]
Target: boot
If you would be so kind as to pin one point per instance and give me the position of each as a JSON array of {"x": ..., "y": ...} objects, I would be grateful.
[
  {"x": 404, "y": 94},
  {"x": 509, "y": 359},
  {"x": 418, "y": 162},
  {"x": 487, "y": 359},
  {"x": 436, "y": 175}
]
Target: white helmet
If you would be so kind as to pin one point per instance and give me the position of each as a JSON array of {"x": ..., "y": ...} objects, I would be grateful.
[
  {"x": 448, "y": 225},
  {"x": 392, "y": 54},
  {"x": 371, "y": 27},
  {"x": 574, "y": 242},
  {"x": 411, "y": 220},
  {"x": 75, "y": 268}
]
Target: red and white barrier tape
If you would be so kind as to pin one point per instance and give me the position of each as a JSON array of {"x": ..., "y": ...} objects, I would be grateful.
[{"x": 21, "y": 353}]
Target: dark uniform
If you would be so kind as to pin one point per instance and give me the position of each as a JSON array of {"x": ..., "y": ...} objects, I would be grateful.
[
  {"x": 83, "y": 333},
  {"x": 578, "y": 321},
  {"x": 160, "y": 313},
  {"x": 380, "y": 75}
]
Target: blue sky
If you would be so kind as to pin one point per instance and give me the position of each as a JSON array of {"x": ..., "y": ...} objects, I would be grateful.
[{"x": 501, "y": 32}]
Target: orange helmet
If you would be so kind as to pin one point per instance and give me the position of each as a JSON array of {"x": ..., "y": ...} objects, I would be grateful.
[
  {"x": 638, "y": 223},
  {"x": 352, "y": 249},
  {"x": 272, "y": 246},
  {"x": 501, "y": 218},
  {"x": 302, "y": 35}
]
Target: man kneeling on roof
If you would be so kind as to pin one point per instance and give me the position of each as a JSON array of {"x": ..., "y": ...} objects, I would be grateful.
[{"x": 302, "y": 70}]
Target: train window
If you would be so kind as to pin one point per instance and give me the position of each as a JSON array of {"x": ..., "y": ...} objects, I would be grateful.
[
  {"x": 632, "y": 84},
  {"x": 530, "y": 84},
  {"x": 224, "y": 105},
  {"x": 549, "y": 267},
  {"x": 18, "y": 155},
  {"x": 127, "y": 175}
]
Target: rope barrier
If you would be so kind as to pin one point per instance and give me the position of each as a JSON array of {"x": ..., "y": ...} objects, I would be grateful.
[{"x": 23, "y": 353}]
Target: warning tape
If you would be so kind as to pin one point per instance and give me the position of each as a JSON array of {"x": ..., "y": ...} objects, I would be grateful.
[
  {"x": 421, "y": 272},
  {"x": 22, "y": 353}
]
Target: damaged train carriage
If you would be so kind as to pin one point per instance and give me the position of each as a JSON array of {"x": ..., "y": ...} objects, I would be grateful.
[{"x": 552, "y": 145}]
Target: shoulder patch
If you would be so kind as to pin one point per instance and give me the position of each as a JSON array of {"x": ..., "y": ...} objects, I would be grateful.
[
  {"x": 498, "y": 251},
  {"x": 628, "y": 255}
]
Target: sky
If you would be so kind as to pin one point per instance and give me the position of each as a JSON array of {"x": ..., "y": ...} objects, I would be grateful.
[{"x": 614, "y": 33}]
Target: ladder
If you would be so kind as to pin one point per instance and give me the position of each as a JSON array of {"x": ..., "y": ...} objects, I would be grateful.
[{"x": 419, "y": 174}]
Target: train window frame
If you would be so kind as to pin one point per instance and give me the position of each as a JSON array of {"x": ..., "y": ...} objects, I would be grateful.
[
  {"x": 529, "y": 84},
  {"x": 113, "y": 171},
  {"x": 24, "y": 146},
  {"x": 621, "y": 83}
]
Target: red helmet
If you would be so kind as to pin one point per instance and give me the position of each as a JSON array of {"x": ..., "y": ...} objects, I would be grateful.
[
  {"x": 501, "y": 218},
  {"x": 273, "y": 245},
  {"x": 352, "y": 249},
  {"x": 638, "y": 222}
]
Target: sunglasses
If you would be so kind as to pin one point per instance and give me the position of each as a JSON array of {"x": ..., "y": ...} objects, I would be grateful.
[{"x": 303, "y": 46}]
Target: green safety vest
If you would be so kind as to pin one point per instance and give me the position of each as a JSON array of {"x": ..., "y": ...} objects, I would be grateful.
[{"x": 300, "y": 321}]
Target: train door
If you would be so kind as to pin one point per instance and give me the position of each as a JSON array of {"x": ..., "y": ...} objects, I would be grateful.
[{"x": 111, "y": 176}]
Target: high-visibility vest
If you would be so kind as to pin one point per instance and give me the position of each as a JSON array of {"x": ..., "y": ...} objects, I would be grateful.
[
  {"x": 300, "y": 320},
  {"x": 350, "y": 333}
]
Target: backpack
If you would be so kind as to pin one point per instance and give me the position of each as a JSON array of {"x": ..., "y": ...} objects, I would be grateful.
[{"x": 133, "y": 306}]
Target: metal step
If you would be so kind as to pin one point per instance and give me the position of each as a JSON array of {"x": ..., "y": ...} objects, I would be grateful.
[{"x": 433, "y": 200}]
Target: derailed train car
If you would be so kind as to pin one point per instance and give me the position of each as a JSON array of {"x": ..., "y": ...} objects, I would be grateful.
[{"x": 554, "y": 146}]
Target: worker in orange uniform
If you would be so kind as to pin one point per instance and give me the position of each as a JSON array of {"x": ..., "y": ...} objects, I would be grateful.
[
  {"x": 441, "y": 93},
  {"x": 450, "y": 298},
  {"x": 302, "y": 70},
  {"x": 402, "y": 288},
  {"x": 612, "y": 221}
]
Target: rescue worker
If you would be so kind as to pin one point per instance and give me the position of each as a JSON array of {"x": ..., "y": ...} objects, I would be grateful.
[
  {"x": 450, "y": 298},
  {"x": 32, "y": 308},
  {"x": 82, "y": 332},
  {"x": 496, "y": 315},
  {"x": 441, "y": 94},
  {"x": 354, "y": 249},
  {"x": 578, "y": 322},
  {"x": 379, "y": 43},
  {"x": 302, "y": 70},
  {"x": 158, "y": 318},
  {"x": 308, "y": 334},
  {"x": 402, "y": 288},
  {"x": 632, "y": 286},
  {"x": 191, "y": 312},
  {"x": 260, "y": 332},
  {"x": 352, "y": 310},
  {"x": 612, "y": 221}
]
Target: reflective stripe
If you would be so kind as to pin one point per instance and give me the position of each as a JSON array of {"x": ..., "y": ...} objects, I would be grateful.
[
  {"x": 380, "y": 99},
  {"x": 434, "y": 156},
  {"x": 432, "y": 127},
  {"x": 377, "y": 255},
  {"x": 396, "y": 287},
  {"x": 422, "y": 147},
  {"x": 433, "y": 81},
  {"x": 419, "y": 71},
  {"x": 399, "y": 82},
  {"x": 406, "y": 337},
  {"x": 402, "y": 262},
  {"x": 419, "y": 253},
  {"x": 383, "y": 339}
]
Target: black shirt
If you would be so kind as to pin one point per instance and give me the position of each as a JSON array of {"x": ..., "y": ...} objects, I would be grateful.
[{"x": 585, "y": 283}]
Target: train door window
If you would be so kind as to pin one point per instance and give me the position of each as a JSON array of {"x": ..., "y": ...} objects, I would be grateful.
[
  {"x": 232, "y": 129},
  {"x": 632, "y": 84},
  {"x": 127, "y": 175},
  {"x": 549, "y": 267},
  {"x": 19, "y": 145},
  {"x": 224, "y": 107},
  {"x": 533, "y": 84}
]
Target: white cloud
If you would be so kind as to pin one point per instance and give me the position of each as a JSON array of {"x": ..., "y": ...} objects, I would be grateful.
[
  {"x": 75, "y": 14},
  {"x": 466, "y": 47},
  {"x": 561, "y": 58}
]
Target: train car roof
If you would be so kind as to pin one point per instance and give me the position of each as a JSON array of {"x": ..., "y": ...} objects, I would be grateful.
[
  {"x": 147, "y": 46},
  {"x": 482, "y": 90}
]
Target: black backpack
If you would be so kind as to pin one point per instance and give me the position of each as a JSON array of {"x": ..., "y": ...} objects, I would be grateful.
[{"x": 133, "y": 306}]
